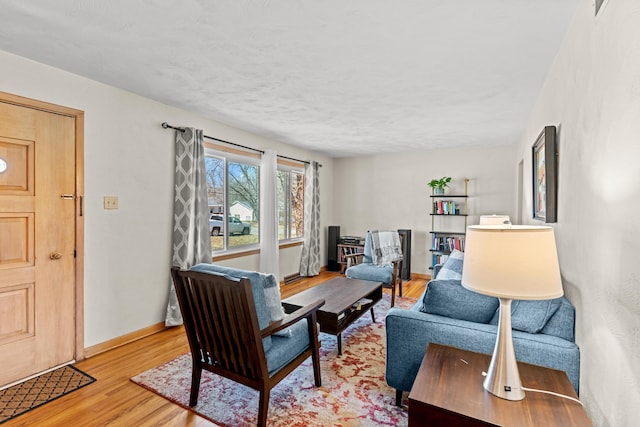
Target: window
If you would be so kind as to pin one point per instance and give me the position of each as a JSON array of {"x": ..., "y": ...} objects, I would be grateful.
[
  {"x": 290, "y": 204},
  {"x": 233, "y": 193}
]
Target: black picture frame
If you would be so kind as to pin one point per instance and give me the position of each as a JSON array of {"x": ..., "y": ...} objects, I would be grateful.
[{"x": 544, "y": 154}]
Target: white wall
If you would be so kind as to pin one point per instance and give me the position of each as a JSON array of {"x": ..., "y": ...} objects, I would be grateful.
[
  {"x": 592, "y": 94},
  {"x": 128, "y": 154},
  {"x": 390, "y": 191}
]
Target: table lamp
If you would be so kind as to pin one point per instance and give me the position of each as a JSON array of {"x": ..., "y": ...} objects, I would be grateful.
[
  {"x": 495, "y": 220},
  {"x": 515, "y": 262}
]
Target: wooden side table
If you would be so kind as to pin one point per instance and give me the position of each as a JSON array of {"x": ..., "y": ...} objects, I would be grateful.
[{"x": 448, "y": 392}]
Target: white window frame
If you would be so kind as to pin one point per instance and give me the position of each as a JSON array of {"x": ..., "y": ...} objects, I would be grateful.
[
  {"x": 232, "y": 156},
  {"x": 289, "y": 168}
]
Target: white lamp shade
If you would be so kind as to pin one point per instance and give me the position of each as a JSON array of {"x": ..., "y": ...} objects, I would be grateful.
[
  {"x": 519, "y": 262},
  {"x": 495, "y": 220}
]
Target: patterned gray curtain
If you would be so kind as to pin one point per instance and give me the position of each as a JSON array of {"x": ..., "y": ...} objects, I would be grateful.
[
  {"x": 310, "y": 257},
  {"x": 191, "y": 234}
]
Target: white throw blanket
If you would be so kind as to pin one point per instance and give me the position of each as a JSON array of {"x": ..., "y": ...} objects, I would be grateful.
[{"x": 385, "y": 247}]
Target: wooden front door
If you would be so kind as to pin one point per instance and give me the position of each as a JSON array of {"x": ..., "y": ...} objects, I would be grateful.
[{"x": 37, "y": 241}]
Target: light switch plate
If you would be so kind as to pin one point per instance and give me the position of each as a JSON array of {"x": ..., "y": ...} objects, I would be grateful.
[{"x": 111, "y": 202}]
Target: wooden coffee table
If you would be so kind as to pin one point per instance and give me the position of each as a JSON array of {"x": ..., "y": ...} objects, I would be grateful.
[{"x": 341, "y": 308}]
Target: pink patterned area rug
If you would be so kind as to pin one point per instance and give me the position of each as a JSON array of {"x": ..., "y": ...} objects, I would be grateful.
[{"x": 353, "y": 393}]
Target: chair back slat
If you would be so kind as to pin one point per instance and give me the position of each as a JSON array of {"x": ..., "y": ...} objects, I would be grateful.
[{"x": 221, "y": 323}]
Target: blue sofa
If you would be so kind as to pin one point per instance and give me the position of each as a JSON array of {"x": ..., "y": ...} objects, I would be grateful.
[{"x": 449, "y": 314}]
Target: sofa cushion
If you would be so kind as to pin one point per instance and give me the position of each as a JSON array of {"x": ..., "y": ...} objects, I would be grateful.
[
  {"x": 284, "y": 350},
  {"x": 450, "y": 299},
  {"x": 452, "y": 267},
  {"x": 267, "y": 282},
  {"x": 262, "y": 311},
  {"x": 530, "y": 315},
  {"x": 270, "y": 288},
  {"x": 562, "y": 324}
]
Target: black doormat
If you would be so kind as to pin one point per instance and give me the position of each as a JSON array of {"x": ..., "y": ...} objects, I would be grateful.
[{"x": 28, "y": 395}]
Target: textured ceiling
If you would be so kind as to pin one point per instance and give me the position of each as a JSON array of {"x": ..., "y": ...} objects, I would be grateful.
[{"x": 339, "y": 77}]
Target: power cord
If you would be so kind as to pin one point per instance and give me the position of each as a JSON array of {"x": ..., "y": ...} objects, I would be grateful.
[
  {"x": 553, "y": 393},
  {"x": 535, "y": 390}
]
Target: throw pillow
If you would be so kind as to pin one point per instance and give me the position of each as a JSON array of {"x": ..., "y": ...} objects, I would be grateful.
[
  {"x": 562, "y": 323},
  {"x": 268, "y": 282},
  {"x": 450, "y": 299},
  {"x": 258, "y": 297},
  {"x": 452, "y": 267},
  {"x": 530, "y": 315}
]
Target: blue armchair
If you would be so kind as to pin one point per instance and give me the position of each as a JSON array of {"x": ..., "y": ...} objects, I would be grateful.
[{"x": 361, "y": 266}]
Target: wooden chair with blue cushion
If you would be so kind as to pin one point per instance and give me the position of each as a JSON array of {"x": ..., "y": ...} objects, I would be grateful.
[
  {"x": 230, "y": 332},
  {"x": 364, "y": 266}
]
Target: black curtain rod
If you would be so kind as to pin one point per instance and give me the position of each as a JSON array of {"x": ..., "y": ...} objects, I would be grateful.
[{"x": 168, "y": 126}]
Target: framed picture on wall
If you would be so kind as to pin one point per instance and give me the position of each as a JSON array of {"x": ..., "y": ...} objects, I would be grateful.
[{"x": 544, "y": 164}]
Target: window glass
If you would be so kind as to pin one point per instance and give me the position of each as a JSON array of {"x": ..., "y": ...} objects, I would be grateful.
[
  {"x": 233, "y": 191},
  {"x": 297, "y": 204},
  {"x": 233, "y": 199},
  {"x": 244, "y": 204},
  {"x": 215, "y": 194},
  {"x": 290, "y": 204},
  {"x": 283, "y": 178}
]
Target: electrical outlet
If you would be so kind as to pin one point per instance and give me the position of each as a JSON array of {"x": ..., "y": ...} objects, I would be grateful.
[{"x": 111, "y": 202}]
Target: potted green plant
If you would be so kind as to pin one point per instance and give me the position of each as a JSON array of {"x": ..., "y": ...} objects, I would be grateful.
[{"x": 438, "y": 185}]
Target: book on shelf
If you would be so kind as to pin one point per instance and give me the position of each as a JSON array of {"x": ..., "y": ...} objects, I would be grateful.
[
  {"x": 438, "y": 259},
  {"x": 446, "y": 207},
  {"x": 447, "y": 243}
]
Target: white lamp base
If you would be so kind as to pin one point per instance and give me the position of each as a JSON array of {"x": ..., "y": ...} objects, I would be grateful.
[{"x": 503, "y": 378}]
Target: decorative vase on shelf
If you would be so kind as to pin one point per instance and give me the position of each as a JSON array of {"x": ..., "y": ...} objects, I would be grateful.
[{"x": 438, "y": 191}]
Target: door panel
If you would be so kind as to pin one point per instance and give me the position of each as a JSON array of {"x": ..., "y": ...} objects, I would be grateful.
[
  {"x": 18, "y": 323},
  {"x": 18, "y": 155},
  {"x": 37, "y": 241},
  {"x": 18, "y": 123},
  {"x": 17, "y": 245}
]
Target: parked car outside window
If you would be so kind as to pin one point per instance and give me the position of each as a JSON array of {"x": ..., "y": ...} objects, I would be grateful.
[{"x": 236, "y": 226}]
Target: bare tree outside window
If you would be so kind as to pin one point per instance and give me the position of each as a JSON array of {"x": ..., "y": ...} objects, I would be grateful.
[
  {"x": 233, "y": 191},
  {"x": 215, "y": 196},
  {"x": 244, "y": 203},
  {"x": 283, "y": 202},
  {"x": 290, "y": 204},
  {"x": 297, "y": 204},
  {"x": 233, "y": 199}
]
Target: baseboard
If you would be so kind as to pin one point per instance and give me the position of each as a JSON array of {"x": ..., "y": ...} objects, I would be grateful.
[{"x": 124, "y": 339}]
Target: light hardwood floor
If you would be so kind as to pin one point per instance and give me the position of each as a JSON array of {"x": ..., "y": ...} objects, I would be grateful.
[{"x": 113, "y": 400}]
